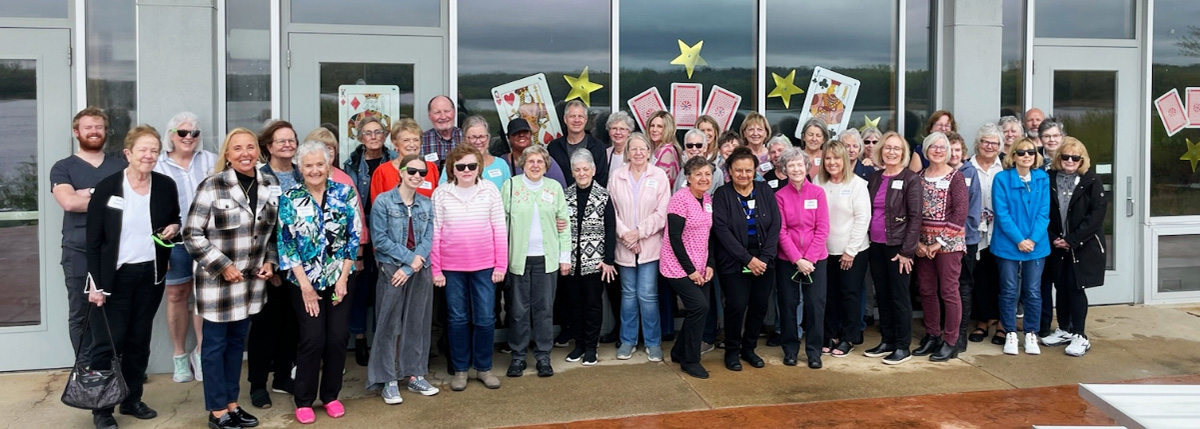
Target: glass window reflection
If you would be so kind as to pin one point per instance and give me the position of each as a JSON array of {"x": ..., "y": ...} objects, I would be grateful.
[
  {"x": 1087, "y": 19},
  {"x": 1174, "y": 184},
  {"x": 918, "y": 92},
  {"x": 1012, "y": 57},
  {"x": 112, "y": 65},
  {"x": 247, "y": 64},
  {"x": 401, "y": 13}
]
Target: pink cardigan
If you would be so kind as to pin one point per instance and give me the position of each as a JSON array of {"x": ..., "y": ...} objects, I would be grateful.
[
  {"x": 468, "y": 235},
  {"x": 648, "y": 213},
  {"x": 805, "y": 223}
]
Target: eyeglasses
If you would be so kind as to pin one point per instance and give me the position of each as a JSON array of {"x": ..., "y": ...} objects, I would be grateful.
[
  {"x": 374, "y": 133},
  {"x": 988, "y": 143},
  {"x": 693, "y": 145},
  {"x": 937, "y": 148},
  {"x": 285, "y": 141},
  {"x": 184, "y": 133},
  {"x": 618, "y": 130},
  {"x": 1024, "y": 152},
  {"x": 464, "y": 167},
  {"x": 1072, "y": 158},
  {"x": 1052, "y": 136},
  {"x": 481, "y": 138},
  {"x": 415, "y": 172}
]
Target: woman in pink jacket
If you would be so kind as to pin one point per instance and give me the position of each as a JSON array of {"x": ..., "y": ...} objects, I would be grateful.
[
  {"x": 800, "y": 273},
  {"x": 640, "y": 193}
]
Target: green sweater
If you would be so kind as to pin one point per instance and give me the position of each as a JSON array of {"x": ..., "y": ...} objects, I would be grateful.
[{"x": 519, "y": 202}]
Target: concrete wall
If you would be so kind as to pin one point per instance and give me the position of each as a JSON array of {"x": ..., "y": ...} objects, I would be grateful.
[
  {"x": 177, "y": 71},
  {"x": 971, "y": 72}
]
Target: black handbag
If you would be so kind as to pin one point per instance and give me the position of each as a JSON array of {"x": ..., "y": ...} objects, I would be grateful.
[{"x": 91, "y": 389}]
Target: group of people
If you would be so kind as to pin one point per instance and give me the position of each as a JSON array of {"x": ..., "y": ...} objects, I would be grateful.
[{"x": 450, "y": 230}]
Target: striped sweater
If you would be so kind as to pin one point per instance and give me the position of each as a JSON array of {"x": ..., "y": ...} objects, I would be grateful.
[{"x": 468, "y": 235}]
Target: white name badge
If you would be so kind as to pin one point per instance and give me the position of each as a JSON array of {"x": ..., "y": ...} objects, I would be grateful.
[
  {"x": 968, "y": 179},
  {"x": 494, "y": 173},
  {"x": 708, "y": 207},
  {"x": 766, "y": 166},
  {"x": 547, "y": 196},
  {"x": 426, "y": 185},
  {"x": 774, "y": 183},
  {"x": 115, "y": 202},
  {"x": 810, "y": 204},
  {"x": 652, "y": 184},
  {"x": 845, "y": 192},
  {"x": 751, "y": 204},
  {"x": 816, "y": 161},
  {"x": 897, "y": 184},
  {"x": 275, "y": 190},
  {"x": 305, "y": 211},
  {"x": 942, "y": 184},
  {"x": 431, "y": 157}
]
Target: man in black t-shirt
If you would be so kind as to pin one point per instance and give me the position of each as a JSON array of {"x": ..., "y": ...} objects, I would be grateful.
[{"x": 71, "y": 182}]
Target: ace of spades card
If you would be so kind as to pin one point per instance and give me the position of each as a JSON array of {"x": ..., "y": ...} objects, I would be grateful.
[
  {"x": 528, "y": 98},
  {"x": 830, "y": 98},
  {"x": 356, "y": 102}
]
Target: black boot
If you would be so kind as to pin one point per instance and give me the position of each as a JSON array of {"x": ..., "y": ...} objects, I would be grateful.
[
  {"x": 946, "y": 352},
  {"x": 361, "y": 354},
  {"x": 929, "y": 344}
]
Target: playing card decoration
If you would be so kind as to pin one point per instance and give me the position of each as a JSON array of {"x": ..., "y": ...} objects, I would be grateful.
[
  {"x": 785, "y": 88},
  {"x": 830, "y": 98},
  {"x": 529, "y": 98},
  {"x": 356, "y": 102},
  {"x": 1193, "y": 154},
  {"x": 581, "y": 87},
  {"x": 722, "y": 105},
  {"x": 1170, "y": 110},
  {"x": 644, "y": 105},
  {"x": 689, "y": 57},
  {"x": 685, "y": 104}
]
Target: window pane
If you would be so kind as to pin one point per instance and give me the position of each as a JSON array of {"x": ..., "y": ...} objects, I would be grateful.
[
  {"x": 1174, "y": 184},
  {"x": 1178, "y": 263},
  {"x": 20, "y": 286},
  {"x": 493, "y": 52},
  {"x": 649, "y": 42},
  {"x": 1012, "y": 57},
  {"x": 1087, "y": 19},
  {"x": 334, "y": 75},
  {"x": 112, "y": 65},
  {"x": 1085, "y": 102},
  {"x": 34, "y": 9},
  {"x": 247, "y": 64},
  {"x": 401, "y": 13},
  {"x": 864, "y": 51},
  {"x": 918, "y": 90}
]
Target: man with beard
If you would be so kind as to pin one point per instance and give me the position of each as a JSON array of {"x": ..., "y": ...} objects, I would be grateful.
[
  {"x": 72, "y": 182},
  {"x": 445, "y": 135}
]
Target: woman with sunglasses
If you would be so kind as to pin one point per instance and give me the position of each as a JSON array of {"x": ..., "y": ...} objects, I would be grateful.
[
  {"x": 1021, "y": 200},
  {"x": 870, "y": 138},
  {"x": 538, "y": 252},
  {"x": 129, "y": 213},
  {"x": 403, "y": 226},
  {"x": 1077, "y": 260},
  {"x": 476, "y": 133},
  {"x": 185, "y": 162},
  {"x": 695, "y": 144},
  {"x": 469, "y": 214}
]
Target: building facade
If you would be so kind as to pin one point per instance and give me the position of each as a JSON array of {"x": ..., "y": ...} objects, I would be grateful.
[{"x": 1097, "y": 65}]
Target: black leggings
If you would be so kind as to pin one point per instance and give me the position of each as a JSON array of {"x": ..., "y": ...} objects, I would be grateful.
[{"x": 1072, "y": 301}]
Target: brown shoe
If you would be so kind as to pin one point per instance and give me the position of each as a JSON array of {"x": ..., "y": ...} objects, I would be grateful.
[{"x": 489, "y": 380}]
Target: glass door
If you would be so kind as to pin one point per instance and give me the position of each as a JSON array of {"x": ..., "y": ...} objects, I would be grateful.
[
  {"x": 320, "y": 63},
  {"x": 1094, "y": 92},
  {"x": 35, "y": 125}
]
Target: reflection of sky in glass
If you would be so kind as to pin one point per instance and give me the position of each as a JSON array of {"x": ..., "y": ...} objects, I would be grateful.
[
  {"x": 649, "y": 31},
  {"x": 568, "y": 36},
  {"x": 248, "y": 64},
  {"x": 1091, "y": 19},
  {"x": 406, "y": 13},
  {"x": 918, "y": 81},
  {"x": 1174, "y": 19}
]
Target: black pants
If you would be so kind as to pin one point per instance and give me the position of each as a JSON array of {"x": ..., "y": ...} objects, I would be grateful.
[
  {"x": 666, "y": 307},
  {"x": 271, "y": 346},
  {"x": 710, "y": 320},
  {"x": 585, "y": 309},
  {"x": 985, "y": 298},
  {"x": 1072, "y": 301},
  {"x": 844, "y": 304},
  {"x": 562, "y": 317},
  {"x": 892, "y": 295},
  {"x": 322, "y": 347},
  {"x": 613, "y": 290},
  {"x": 130, "y": 312},
  {"x": 686, "y": 350},
  {"x": 1049, "y": 284},
  {"x": 74, "y": 265},
  {"x": 966, "y": 284},
  {"x": 746, "y": 297},
  {"x": 811, "y": 297}
]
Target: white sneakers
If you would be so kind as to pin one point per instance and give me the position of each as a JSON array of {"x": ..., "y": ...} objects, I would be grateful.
[
  {"x": 1058, "y": 338},
  {"x": 1079, "y": 345},
  {"x": 1010, "y": 343}
]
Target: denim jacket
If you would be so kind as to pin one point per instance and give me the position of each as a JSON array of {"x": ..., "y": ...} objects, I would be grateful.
[
  {"x": 389, "y": 229},
  {"x": 356, "y": 167}
]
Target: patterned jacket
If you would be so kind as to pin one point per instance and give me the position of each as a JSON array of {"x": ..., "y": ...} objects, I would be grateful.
[
  {"x": 318, "y": 237},
  {"x": 593, "y": 229},
  {"x": 221, "y": 230}
]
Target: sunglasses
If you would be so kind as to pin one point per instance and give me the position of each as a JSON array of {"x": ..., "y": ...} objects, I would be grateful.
[
  {"x": 1025, "y": 152},
  {"x": 415, "y": 172},
  {"x": 693, "y": 145},
  {"x": 1072, "y": 158},
  {"x": 870, "y": 141},
  {"x": 464, "y": 167},
  {"x": 184, "y": 133}
]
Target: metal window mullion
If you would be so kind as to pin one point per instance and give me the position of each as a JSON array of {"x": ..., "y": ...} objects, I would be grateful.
[
  {"x": 761, "y": 58},
  {"x": 452, "y": 32},
  {"x": 901, "y": 65},
  {"x": 614, "y": 34}
]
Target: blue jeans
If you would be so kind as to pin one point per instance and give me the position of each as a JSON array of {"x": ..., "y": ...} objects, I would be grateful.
[
  {"x": 221, "y": 358},
  {"x": 639, "y": 292},
  {"x": 472, "y": 325},
  {"x": 1030, "y": 291}
]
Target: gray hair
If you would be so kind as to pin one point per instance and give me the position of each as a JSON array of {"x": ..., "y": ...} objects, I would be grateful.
[
  {"x": 536, "y": 150},
  {"x": 177, "y": 120},
  {"x": 871, "y": 131},
  {"x": 780, "y": 139},
  {"x": 814, "y": 122},
  {"x": 794, "y": 154},
  {"x": 856, "y": 139},
  {"x": 583, "y": 155},
  {"x": 1008, "y": 120},
  {"x": 637, "y": 136},
  {"x": 475, "y": 121},
  {"x": 309, "y": 147},
  {"x": 362, "y": 123},
  {"x": 575, "y": 103},
  {"x": 620, "y": 116},
  {"x": 989, "y": 130},
  {"x": 1049, "y": 123},
  {"x": 695, "y": 132},
  {"x": 931, "y": 139}
]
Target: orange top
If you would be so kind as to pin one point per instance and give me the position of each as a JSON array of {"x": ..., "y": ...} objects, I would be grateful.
[{"x": 387, "y": 177}]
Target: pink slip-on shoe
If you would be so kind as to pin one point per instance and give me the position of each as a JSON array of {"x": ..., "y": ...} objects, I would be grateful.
[
  {"x": 305, "y": 415},
  {"x": 335, "y": 409}
]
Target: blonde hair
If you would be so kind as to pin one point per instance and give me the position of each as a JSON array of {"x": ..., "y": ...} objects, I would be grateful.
[
  {"x": 877, "y": 154},
  {"x": 837, "y": 149},
  {"x": 224, "y": 153},
  {"x": 1021, "y": 143},
  {"x": 1072, "y": 144},
  {"x": 754, "y": 118},
  {"x": 668, "y": 135},
  {"x": 407, "y": 124}
]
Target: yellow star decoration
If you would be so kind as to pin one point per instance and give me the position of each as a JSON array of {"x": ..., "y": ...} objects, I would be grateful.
[
  {"x": 582, "y": 87},
  {"x": 870, "y": 123},
  {"x": 689, "y": 57},
  {"x": 1193, "y": 154},
  {"x": 785, "y": 88}
]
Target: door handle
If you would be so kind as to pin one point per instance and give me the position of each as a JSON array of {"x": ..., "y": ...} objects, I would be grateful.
[{"x": 1128, "y": 196}]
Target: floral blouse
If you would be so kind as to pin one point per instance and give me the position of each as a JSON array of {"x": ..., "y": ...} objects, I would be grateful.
[{"x": 318, "y": 238}]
